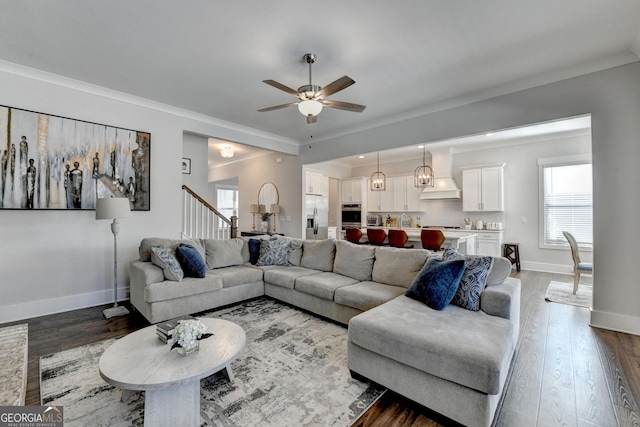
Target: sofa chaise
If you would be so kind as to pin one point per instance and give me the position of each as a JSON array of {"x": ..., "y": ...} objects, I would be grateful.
[{"x": 454, "y": 361}]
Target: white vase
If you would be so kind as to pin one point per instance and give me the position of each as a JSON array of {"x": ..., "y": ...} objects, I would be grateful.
[{"x": 264, "y": 226}]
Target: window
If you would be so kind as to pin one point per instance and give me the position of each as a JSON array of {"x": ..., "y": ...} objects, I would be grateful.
[
  {"x": 227, "y": 202},
  {"x": 566, "y": 201}
]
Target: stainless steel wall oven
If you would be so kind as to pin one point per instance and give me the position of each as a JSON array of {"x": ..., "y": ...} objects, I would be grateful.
[{"x": 351, "y": 215}]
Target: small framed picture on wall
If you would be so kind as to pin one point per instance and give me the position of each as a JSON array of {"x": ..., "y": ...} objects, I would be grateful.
[{"x": 186, "y": 165}]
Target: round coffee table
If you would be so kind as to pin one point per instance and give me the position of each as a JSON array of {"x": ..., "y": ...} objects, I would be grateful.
[{"x": 140, "y": 361}]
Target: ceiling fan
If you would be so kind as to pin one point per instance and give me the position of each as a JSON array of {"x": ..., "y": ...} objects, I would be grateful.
[{"x": 312, "y": 98}]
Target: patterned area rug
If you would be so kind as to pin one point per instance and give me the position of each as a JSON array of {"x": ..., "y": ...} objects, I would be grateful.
[
  {"x": 14, "y": 343},
  {"x": 293, "y": 372},
  {"x": 562, "y": 293}
]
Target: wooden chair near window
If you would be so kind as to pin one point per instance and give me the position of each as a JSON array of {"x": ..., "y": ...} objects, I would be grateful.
[
  {"x": 432, "y": 239},
  {"x": 376, "y": 236},
  {"x": 398, "y": 239},
  {"x": 353, "y": 235},
  {"x": 579, "y": 267}
]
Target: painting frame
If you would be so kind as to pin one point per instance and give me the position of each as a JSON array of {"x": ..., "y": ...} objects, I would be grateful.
[
  {"x": 186, "y": 166},
  {"x": 51, "y": 162}
]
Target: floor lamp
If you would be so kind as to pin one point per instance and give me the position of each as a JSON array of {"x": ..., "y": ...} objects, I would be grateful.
[{"x": 114, "y": 208}]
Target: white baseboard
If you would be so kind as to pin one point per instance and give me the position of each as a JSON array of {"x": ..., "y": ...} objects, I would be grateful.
[
  {"x": 27, "y": 310},
  {"x": 546, "y": 267},
  {"x": 615, "y": 322}
]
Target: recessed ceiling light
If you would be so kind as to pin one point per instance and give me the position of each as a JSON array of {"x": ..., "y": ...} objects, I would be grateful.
[
  {"x": 420, "y": 146},
  {"x": 361, "y": 157},
  {"x": 488, "y": 134}
]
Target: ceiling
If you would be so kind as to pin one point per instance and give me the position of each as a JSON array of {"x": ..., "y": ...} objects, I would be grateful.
[
  {"x": 407, "y": 57},
  {"x": 503, "y": 138}
]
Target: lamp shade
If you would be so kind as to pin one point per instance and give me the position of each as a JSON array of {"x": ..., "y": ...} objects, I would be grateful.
[
  {"x": 310, "y": 107},
  {"x": 275, "y": 208},
  {"x": 254, "y": 209},
  {"x": 112, "y": 208}
]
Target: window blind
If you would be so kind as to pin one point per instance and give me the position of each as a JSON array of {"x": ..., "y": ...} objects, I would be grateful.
[{"x": 568, "y": 203}]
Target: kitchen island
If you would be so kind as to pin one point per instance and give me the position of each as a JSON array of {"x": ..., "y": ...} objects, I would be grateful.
[{"x": 464, "y": 241}]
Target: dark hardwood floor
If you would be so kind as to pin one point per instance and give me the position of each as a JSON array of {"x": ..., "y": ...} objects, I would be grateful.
[{"x": 565, "y": 373}]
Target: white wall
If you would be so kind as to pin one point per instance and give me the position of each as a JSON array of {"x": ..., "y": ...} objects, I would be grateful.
[
  {"x": 613, "y": 99},
  {"x": 287, "y": 176},
  {"x": 196, "y": 148},
  {"x": 53, "y": 261}
]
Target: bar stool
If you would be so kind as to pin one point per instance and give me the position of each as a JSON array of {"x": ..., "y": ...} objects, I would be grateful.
[
  {"x": 432, "y": 239},
  {"x": 353, "y": 235},
  {"x": 512, "y": 253},
  {"x": 376, "y": 236},
  {"x": 398, "y": 239}
]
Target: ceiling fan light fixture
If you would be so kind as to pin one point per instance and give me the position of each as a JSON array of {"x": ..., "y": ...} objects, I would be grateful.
[
  {"x": 311, "y": 98},
  {"x": 226, "y": 152},
  {"x": 310, "y": 107}
]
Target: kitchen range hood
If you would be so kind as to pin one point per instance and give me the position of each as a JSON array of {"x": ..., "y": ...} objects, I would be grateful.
[{"x": 444, "y": 186}]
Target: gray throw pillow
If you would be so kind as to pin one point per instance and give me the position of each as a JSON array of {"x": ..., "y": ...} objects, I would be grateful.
[
  {"x": 273, "y": 252},
  {"x": 474, "y": 279},
  {"x": 223, "y": 253},
  {"x": 165, "y": 258},
  {"x": 318, "y": 254}
]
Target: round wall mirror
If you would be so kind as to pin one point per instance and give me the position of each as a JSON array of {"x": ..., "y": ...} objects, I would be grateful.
[{"x": 268, "y": 195}]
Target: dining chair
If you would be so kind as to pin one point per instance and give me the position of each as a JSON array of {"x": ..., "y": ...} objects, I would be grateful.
[
  {"x": 398, "y": 239},
  {"x": 432, "y": 239},
  {"x": 579, "y": 267},
  {"x": 376, "y": 236},
  {"x": 353, "y": 235}
]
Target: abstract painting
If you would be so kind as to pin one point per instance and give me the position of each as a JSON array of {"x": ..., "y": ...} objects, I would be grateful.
[{"x": 52, "y": 162}]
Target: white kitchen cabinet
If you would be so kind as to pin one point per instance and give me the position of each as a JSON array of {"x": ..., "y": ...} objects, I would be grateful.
[
  {"x": 316, "y": 183},
  {"x": 483, "y": 189},
  {"x": 406, "y": 197},
  {"x": 489, "y": 243},
  {"x": 351, "y": 190},
  {"x": 380, "y": 201}
]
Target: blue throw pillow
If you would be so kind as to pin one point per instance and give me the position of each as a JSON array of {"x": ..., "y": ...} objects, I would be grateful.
[
  {"x": 473, "y": 280},
  {"x": 436, "y": 284},
  {"x": 191, "y": 261},
  {"x": 254, "y": 250}
]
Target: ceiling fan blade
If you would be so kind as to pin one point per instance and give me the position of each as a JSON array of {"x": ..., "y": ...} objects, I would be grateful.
[
  {"x": 342, "y": 83},
  {"x": 277, "y": 107},
  {"x": 356, "y": 108},
  {"x": 281, "y": 87},
  {"x": 311, "y": 119}
]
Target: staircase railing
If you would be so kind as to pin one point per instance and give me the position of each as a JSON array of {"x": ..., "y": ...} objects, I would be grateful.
[{"x": 203, "y": 221}]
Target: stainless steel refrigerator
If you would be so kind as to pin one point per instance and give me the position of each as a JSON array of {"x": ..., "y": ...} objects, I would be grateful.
[{"x": 317, "y": 210}]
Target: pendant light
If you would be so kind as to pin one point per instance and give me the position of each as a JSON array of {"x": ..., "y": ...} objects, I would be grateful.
[
  {"x": 378, "y": 181},
  {"x": 423, "y": 175}
]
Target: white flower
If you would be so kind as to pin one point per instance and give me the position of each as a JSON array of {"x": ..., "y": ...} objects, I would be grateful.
[{"x": 188, "y": 332}]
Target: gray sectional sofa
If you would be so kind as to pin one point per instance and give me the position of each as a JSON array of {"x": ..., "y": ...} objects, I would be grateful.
[{"x": 454, "y": 361}]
